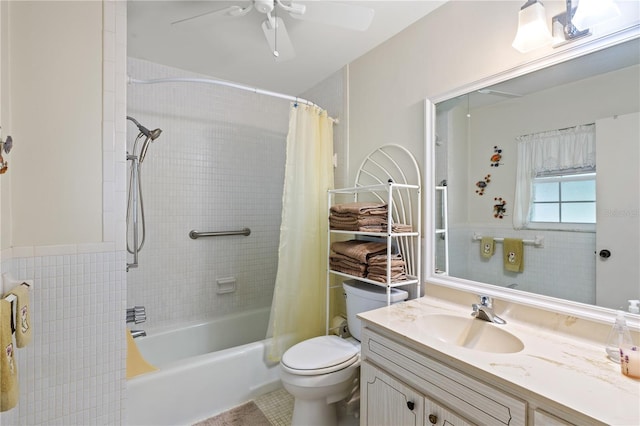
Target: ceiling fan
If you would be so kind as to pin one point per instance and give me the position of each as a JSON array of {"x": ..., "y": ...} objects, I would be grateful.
[{"x": 341, "y": 15}]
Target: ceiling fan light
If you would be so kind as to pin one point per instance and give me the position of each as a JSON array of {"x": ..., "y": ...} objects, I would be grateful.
[
  {"x": 533, "y": 31},
  {"x": 593, "y": 12}
]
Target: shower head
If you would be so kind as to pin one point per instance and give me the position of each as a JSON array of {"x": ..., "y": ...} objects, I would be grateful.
[{"x": 153, "y": 135}]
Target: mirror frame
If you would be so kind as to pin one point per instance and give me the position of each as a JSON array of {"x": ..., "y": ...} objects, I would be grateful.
[{"x": 566, "y": 307}]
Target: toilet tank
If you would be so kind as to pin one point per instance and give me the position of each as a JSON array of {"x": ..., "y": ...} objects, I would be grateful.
[{"x": 362, "y": 297}]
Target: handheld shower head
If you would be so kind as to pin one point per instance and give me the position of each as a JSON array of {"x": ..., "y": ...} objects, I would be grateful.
[{"x": 153, "y": 135}]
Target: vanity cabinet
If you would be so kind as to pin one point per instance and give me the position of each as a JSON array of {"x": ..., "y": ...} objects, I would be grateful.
[
  {"x": 443, "y": 394},
  {"x": 400, "y": 385},
  {"x": 392, "y": 402}
]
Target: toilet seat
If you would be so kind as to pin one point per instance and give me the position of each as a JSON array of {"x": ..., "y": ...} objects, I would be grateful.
[{"x": 320, "y": 355}]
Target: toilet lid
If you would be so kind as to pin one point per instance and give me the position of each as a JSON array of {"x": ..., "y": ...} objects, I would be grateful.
[{"x": 320, "y": 355}]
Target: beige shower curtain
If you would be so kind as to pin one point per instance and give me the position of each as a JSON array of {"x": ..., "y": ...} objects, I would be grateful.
[{"x": 298, "y": 308}]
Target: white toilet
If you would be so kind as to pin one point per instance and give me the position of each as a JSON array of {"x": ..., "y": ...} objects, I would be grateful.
[{"x": 321, "y": 371}]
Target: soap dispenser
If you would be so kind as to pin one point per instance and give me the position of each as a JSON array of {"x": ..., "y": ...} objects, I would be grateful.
[{"x": 619, "y": 336}]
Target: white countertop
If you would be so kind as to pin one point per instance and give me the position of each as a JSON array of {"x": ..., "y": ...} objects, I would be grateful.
[{"x": 570, "y": 371}]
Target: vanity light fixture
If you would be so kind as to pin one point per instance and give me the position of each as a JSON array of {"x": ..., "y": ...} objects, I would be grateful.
[
  {"x": 533, "y": 31},
  {"x": 566, "y": 27},
  {"x": 594, "y": 12}
]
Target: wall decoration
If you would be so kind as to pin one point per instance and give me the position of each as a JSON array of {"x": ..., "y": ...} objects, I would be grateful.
[
  {"x": 482, "y": 184},
  {"x": 496, "y": 157},
  {"x": 499, "y": 209}
]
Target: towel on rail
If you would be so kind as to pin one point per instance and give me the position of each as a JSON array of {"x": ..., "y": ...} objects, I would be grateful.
[
  {"x": 8, "y": 364},
  {"x": 23, "y": 315},
  {"x": 487, "y": 247},
  {"x": 359, "y": 250},
  {"x": 513, "y": 254}
]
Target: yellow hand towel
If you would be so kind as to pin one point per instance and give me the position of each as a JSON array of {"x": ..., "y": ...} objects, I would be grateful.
[
  {"x": 513, "y": 255},
  {"x": 136, "y": 364},
  {"x": 8, "y": 364},
  {"x": 23, "y": 316},
  {"x": 487, "y": 247}
]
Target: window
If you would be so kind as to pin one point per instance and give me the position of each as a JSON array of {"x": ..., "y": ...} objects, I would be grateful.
[
  {"x": 555, "y": 180},
  {"x": 564, "y": 198}
]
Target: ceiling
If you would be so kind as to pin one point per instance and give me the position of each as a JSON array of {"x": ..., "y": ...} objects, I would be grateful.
[{"x": 235, "y": 48}]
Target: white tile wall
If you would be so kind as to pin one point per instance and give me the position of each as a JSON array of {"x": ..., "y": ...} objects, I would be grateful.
[
  {"x": 563, "y": 268},
  {"x": 72, "y": 373},
  {"x": 218, "y": 165}
]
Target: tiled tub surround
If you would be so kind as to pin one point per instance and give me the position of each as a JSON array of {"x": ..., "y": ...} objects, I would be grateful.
[
  {"x": 218, "y": 165},
  {"x": 562, "y": 367}
]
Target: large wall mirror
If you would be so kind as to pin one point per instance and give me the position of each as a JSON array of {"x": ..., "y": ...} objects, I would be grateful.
[{"x": 580, "y": 220}]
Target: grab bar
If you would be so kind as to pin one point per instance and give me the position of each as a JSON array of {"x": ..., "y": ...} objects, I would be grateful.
[{"x": 195, "y": 234}]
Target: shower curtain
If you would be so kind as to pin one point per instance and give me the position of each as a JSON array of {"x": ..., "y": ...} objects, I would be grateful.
[{"x": 298, "y": 308}]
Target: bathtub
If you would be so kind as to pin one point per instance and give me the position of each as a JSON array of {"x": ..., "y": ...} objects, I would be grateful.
[{"x": 203, "y": 369}]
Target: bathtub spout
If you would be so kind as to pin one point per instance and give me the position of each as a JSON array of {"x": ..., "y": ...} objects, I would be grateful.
[{"x": 138, "y": 333}]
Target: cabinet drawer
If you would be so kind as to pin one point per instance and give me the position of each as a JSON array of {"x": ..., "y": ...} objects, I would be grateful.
[{"x": 476, "y": 401}]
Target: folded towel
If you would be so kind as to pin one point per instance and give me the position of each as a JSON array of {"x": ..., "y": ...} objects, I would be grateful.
[
  {"x": 382, "y": 270},
  {"x": 361, "y": 208},
  {"x": 354, "y": 223},
  {"x": 8, "y": 364},
  {"x": 487, "y": 247},
  {"x": 383, "y": 277},
  {"x": 381, "y": 260},
  {"x": 136, "y": 364},
  {"x": 359, "y": 250},
  {"x": 23, "y": 315},
  {"x": 513, "y": 255},
  {"x": 342, "y": 261}
]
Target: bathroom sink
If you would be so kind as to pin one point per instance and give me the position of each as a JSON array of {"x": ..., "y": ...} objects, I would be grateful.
[{"x": 471, "y": 333}]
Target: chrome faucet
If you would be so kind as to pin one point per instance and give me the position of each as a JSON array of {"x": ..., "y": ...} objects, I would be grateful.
[{"x": 484, "y": 311}]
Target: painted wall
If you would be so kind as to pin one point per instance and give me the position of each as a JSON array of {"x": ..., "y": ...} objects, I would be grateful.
[
  {"x": 55, "y": 63},
  {"x": 459, "y": 43}
]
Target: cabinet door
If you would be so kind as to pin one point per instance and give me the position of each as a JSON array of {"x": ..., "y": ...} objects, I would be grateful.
[
  {"x": 437, "y": 415},
  {"x": 387, "y": 401}
]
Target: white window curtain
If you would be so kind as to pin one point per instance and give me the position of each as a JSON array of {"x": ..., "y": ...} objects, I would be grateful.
[
  {"x": 298, "y": 309},
  {"x": 555, "y": 150}
]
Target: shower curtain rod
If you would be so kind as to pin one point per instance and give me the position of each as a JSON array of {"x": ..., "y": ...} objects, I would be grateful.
[{"x": 227, "y": 84}]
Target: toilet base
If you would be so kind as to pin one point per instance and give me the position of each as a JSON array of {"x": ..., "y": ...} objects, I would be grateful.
[{"x": 313, "y": 413}]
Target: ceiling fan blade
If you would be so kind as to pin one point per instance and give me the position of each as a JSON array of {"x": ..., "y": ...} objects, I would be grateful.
[
  {"x": 278, "y": 39},
  {"x": 231, "y": 11},
  {"x": 341, "y": 15}
]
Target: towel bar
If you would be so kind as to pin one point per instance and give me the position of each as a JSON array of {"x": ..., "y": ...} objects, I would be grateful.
[
  {"x": 538, "y": 241},
  {"x": 195, "y": 234}
]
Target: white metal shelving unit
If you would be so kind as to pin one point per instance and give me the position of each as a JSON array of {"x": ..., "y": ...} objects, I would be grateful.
[{"x": 384, "y": 176}]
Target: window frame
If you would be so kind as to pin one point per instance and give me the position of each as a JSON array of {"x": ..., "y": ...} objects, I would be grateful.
[{"x": 572, "y": 175}]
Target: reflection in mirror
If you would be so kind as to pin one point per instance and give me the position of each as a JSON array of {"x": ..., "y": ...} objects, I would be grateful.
[{"x": 502, "y": 148}]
